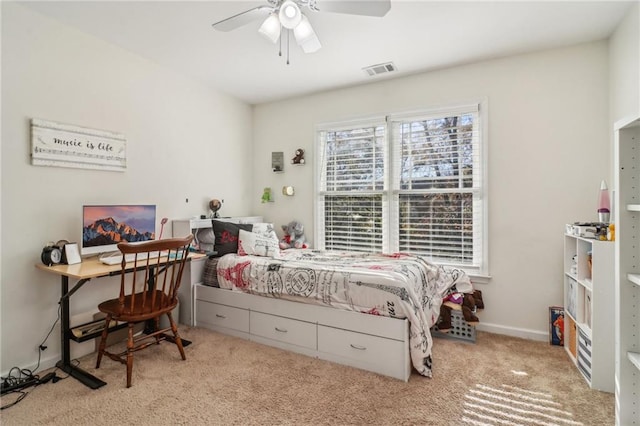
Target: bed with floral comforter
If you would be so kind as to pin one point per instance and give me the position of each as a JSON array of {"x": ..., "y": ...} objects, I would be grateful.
[{"x": 397, "y": 286}]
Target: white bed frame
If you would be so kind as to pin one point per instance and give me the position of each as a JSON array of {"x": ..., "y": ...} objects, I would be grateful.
[{"x": 370, "y": 342}]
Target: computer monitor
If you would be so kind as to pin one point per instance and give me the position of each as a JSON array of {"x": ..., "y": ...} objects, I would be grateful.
[{"x": 104, "y": 226}]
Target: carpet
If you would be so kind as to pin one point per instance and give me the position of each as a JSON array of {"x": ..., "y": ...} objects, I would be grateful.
[{"x": 499, "y": 380}]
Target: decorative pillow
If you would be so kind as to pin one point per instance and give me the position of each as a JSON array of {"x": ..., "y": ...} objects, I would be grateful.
[
  {"x": 257, "y": 244},
  {"x": 205, "y": 239},
  {"x": 210, "y": 275},
  {"x": 226, "y": 236},
  {"x": 265, "y": 229}
]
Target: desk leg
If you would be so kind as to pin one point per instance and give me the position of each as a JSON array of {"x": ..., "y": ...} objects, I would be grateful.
[
  {"x": 85, "y": 378},
  {"x": 64, "y": 326},
  {"x": 65, "y": 363}
]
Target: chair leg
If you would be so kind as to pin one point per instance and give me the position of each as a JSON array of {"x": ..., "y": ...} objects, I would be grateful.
[
  {"x": 103, "y": 340},
  {"x": 156, "y": 322},
  {"x": 130, "y": 355},
  {"x": 177, "y": 338}
]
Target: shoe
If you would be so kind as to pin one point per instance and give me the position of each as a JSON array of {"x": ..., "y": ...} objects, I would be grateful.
[
  {"x": 477, "y": 296},
  {"x": 444, "y": 324},
  {"x": 469, "y": 301},
  {"x": 469, "y": 316}
]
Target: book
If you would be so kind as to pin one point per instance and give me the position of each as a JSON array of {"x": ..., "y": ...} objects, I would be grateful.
[{"x": 556, "y": 325}]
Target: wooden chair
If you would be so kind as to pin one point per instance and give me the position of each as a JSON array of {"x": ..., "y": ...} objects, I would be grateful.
[{"x": 146, "y": 295}]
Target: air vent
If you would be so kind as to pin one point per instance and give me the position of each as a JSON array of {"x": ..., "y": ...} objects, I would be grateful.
[{"x": 380, "y": 69}]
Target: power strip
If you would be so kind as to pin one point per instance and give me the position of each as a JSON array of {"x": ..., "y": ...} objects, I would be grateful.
[{"x": 5, "y": 388}]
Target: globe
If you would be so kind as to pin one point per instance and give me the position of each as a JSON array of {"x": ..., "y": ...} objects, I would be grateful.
[{"x": 214, "y": 206}]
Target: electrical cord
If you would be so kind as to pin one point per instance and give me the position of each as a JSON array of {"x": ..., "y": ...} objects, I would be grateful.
[
  {"x": 25, "y": 377},
  {"x": 13, "y": 381},
  {"x": 42, "y": 346},
  {"x": 35, "y": 381},
  {"x": 22, "y": 396}
]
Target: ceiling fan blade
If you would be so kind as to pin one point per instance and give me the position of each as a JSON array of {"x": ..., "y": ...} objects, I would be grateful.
[
  {"x": 242, "y": 18},
  {"x": 356, "y": 7}
]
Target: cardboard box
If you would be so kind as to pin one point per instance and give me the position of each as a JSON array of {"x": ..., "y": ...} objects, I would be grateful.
[{"x": 556, "y": 325}]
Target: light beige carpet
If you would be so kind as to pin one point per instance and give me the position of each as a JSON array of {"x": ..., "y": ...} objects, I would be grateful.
[{"x": 225, "y": 381}]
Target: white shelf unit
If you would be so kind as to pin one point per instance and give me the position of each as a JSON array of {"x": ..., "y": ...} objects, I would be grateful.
[
  {"x": 589, "y": 302},
  {"x": 182, "y": 227},
  {"x": 627, "y": 291},
  {"x": 195, "y": 268}
]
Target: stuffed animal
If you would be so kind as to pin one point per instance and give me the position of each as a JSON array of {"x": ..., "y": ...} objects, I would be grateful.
[
  {"x": 468, "y": 303},
  {"x": 266, "y": 195},
  {"x": 299, "y": 158},
  {"x": 293, "y": 236}
]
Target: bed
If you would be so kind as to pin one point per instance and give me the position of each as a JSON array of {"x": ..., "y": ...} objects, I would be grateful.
[{"x": 320, "y": 302}]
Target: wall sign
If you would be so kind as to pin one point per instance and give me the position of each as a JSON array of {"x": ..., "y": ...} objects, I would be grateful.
[{"x": 63, "y": 145}]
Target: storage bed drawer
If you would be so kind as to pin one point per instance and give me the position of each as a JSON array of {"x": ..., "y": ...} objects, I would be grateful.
[
  {"x": 365, "y": 348},
  {"x": 222, "y": 316},
  {"x": 282, "y": 329}
]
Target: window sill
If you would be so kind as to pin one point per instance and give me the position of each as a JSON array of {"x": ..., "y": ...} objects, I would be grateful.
[{"x": 479, "y": 279}]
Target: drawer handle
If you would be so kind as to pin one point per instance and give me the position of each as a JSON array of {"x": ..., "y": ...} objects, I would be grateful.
[
  {"x": 358, "y": 347},
  {"x": 220, "y": 316},
  {"x": 281, "y": 330}
]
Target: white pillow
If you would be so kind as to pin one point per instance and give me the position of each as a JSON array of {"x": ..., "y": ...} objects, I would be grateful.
[
  {"x": 265, "y": 229},
  {"x": 257, "y": 244}
]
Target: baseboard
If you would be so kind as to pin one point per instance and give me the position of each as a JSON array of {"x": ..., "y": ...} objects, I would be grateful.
[{"x": 514, "y": 332}]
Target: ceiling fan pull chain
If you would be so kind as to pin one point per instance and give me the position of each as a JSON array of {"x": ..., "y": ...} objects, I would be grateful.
[
  {"x": 280, "y": 42},
  {"x": 288, "y": 38}
]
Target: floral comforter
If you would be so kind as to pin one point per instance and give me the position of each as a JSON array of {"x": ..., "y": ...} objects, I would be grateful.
[{"x": 398, "y": 286}]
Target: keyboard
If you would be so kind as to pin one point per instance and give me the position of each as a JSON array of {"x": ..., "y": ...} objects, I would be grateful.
[{"x": 115, "y": 259}]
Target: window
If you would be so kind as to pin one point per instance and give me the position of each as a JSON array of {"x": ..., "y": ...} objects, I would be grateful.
[{"x": 409, "y": 183}]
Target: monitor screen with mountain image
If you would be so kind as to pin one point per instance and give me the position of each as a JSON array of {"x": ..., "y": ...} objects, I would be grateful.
[{"x": 104, "y": 226}]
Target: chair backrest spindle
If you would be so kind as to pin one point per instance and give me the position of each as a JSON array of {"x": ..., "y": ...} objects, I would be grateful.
[{"x": 162, "y": 274}]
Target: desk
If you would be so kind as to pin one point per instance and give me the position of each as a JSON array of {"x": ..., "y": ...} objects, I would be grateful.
[{"x": 82, "y": 272}]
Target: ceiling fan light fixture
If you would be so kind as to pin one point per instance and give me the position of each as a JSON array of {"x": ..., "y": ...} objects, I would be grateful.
[
  {"x": 306, "y": 37},
  {"x": 311, "y": 45},
  {"x": 290, "y": 14},
  {"x": 303, "y": 30},
  {"x": 270, "y": 28}
]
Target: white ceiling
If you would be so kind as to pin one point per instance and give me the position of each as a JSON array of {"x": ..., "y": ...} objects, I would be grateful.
[{"x": 415, "y": 35}]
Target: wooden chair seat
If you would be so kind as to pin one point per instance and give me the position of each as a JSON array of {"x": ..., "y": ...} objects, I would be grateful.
[
  {"x": 160, "y": 279},
  {"x": 139, "y": 311}
]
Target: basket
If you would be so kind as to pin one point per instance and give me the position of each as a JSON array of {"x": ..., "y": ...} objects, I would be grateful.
[{"x": 460, "y": 329}]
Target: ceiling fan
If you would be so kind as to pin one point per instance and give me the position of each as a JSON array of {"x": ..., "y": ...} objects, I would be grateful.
[{"x": 288, "y": 15}]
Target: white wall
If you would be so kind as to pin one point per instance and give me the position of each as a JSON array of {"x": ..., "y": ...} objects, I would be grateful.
[
  {"x": 183, "y": 141},
  {"x": 624, "y": 62},
  {"x": 548, "y": 152}
]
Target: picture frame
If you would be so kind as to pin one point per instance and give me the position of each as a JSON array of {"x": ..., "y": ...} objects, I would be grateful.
[
  {"x": 277, "y": 162},
  {"x": 71, "y": 254}
]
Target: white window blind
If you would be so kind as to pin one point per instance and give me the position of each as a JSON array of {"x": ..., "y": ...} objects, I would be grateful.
[
  {"x": 413, "y": 183},
  {"x": 352, "y": 164},
  {"x": 438, "y": 187}
]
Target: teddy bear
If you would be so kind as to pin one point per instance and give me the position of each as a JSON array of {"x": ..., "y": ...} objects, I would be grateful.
[
  {"x": 299, "y": 158},
  {"x": 293, "y": 236},
  {"x": 468, "y": 303}
]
